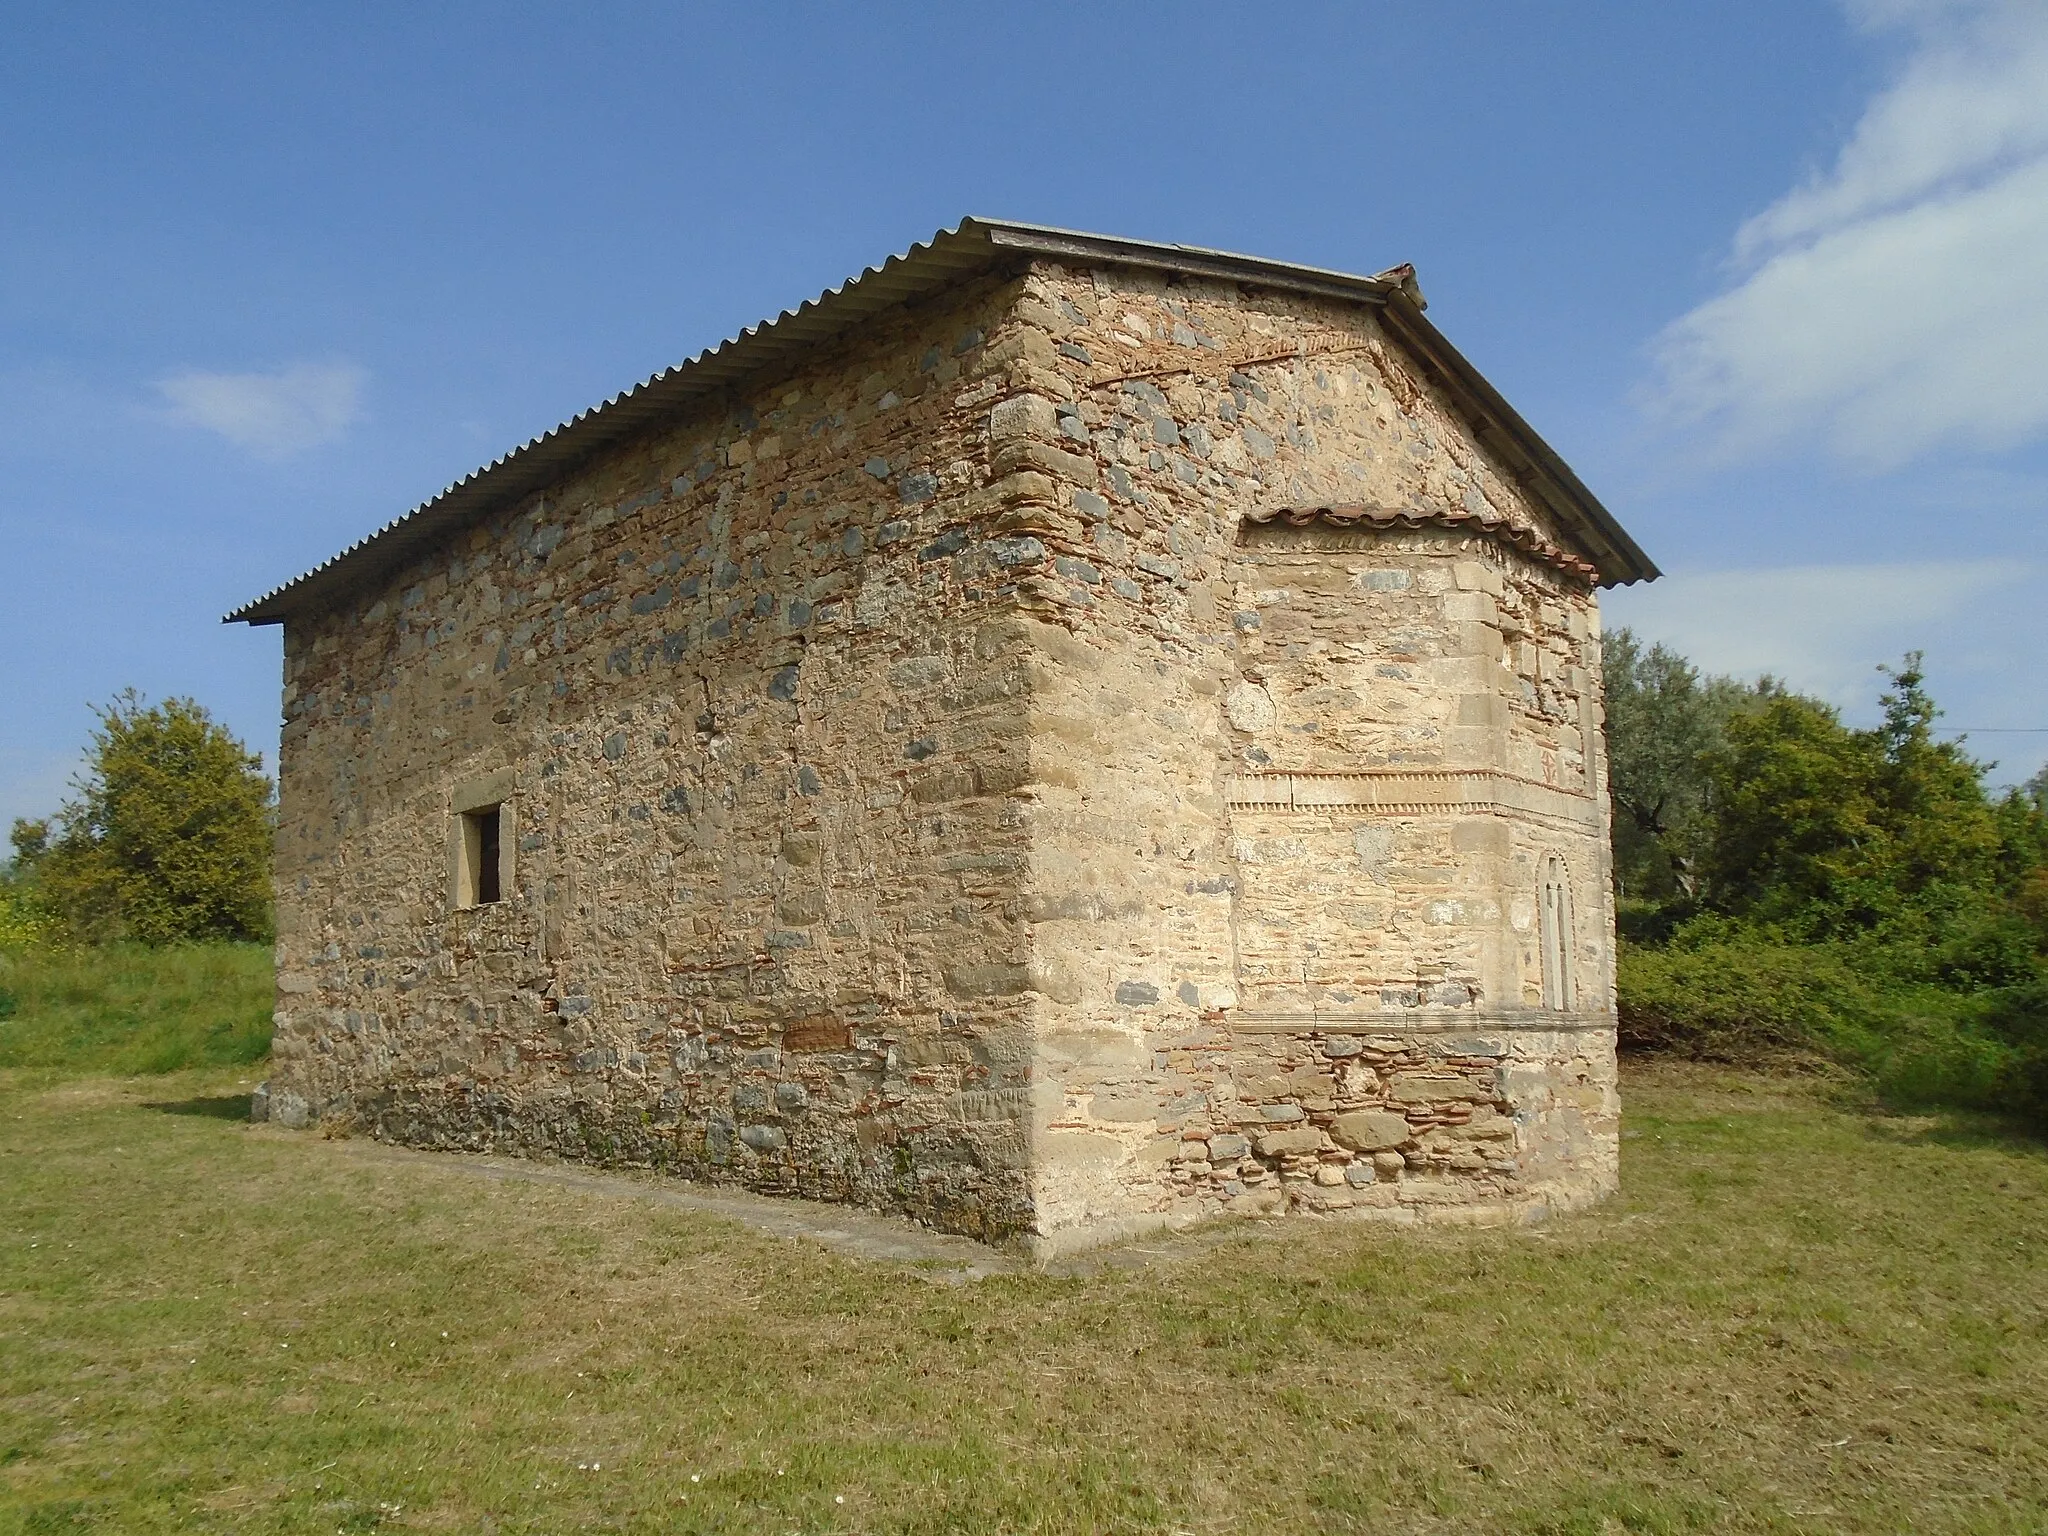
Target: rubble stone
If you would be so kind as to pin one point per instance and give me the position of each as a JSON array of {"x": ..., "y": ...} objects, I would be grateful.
[{"x": 1370, "y": 1130}]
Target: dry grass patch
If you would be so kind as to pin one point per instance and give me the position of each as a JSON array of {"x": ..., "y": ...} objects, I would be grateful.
[{"x": 1800, "y": 1317}]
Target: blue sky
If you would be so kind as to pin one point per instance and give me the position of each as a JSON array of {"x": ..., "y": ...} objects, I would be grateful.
[{"x": 1773, "y": 276}]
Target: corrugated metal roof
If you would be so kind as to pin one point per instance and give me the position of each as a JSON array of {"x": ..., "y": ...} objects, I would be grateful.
[{"x": 977, "y": 244}]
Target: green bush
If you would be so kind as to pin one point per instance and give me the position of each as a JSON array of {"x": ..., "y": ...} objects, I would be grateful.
[
  {"x": 22, "y": 920},
  {"x": 134, "y": 1009},
  {"x": 2019, "y": 1017},
  {"x": 1734, "y": 998},
  {"x": 1723, "y": 991}
]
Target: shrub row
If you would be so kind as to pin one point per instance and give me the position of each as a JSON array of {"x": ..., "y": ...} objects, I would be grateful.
[{"x": 1740, "y": 995}]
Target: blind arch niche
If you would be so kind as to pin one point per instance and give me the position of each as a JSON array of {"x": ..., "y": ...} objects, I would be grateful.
[{"x": 1554, "y": 932}]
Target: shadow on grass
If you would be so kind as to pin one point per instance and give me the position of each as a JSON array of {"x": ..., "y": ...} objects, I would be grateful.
[
  {"x": 1961, "y": 1128},
  {"x": 1753, "y": 1082},
  {"x": 233, "y": 1107}
]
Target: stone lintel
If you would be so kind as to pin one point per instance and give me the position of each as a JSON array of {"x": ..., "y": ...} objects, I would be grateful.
[{"x": 485, "y": 790}]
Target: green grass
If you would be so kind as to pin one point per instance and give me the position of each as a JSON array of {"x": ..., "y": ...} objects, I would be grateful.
[
  {"x": 1800, "y": 1316},
  {"x": 126, "y": 1009}
]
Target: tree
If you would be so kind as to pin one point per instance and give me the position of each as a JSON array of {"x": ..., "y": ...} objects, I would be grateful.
[
  {"x": 2036, "y": 788},
  {"x": 169, "y": 837},
  {"x": 1839, "y": 831},
  {"x": 1663, "y": 719},
  {"x": 1945, "y": 830},
  {"x": 1858, "y": 892},
  {"x": 30, "y": 841},
  {"x": 1795, "y": 818}
]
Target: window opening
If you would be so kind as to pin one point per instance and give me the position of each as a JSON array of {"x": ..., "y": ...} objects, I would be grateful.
[
  {"x": 1555, "y": 934},
  {"x": 481, "y": 856}
]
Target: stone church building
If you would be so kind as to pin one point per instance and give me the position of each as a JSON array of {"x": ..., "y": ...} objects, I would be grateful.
[{"x": 1057, "y": 736}]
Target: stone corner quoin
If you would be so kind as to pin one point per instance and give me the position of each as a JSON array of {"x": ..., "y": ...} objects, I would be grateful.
[{"x": 960, "y": 771}]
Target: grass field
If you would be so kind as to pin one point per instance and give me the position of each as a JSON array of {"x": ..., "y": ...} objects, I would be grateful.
[
  {"x": 129, "y": 1008},
  {"x": 1798, "y": 1318}
]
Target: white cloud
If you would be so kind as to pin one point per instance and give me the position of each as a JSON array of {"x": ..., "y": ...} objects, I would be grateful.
[
  {"x": 1899, "y": 300},
  {"x": 1823, "y": 628},
  {"x": 271, "y": 414}
]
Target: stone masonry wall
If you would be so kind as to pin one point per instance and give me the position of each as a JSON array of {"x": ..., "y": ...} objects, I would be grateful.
[
  {"x": 1294, "y": 786},
  {"x": 758, "y": 714},
  {"x": 933, "y": 786}
]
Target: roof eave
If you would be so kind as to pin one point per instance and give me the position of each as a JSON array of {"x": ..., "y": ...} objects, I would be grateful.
[
  {"x": 1500, "y": 426},
  {"x": 974, "y": 246}
]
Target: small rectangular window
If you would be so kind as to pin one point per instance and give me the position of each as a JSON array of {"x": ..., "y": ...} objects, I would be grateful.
[
  {"x": 481, "y": 875},
  {"x": 483, "y": 830}
]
